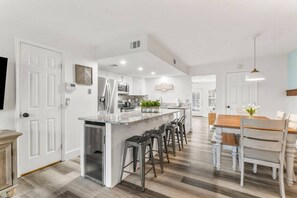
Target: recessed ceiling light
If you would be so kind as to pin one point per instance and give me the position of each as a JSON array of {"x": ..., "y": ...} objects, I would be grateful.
[
  {"x": 140, "y": 68},
  {"x": 123, "y": 62},
  {"x": 153, "y": 73}
]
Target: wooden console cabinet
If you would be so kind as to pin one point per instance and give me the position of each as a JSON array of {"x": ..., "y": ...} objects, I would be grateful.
[{"x": 8, "y": 162}]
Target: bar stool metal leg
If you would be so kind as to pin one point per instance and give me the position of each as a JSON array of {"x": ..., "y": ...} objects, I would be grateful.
[
  {"x": 142, "y": 166},
  {"x": 166, "y": 148},
  {"x": 178, "y": 141},
  {"x": 153, "y": 163},
  {"x": 180, "y": 131},
  {"x": 171, "y": 136},
  {"x": 135, "y": 154},
  {"x": 124, "y": 160},
  {"x": 185, "y": 133},
  {"x": 160, "y": 149}
]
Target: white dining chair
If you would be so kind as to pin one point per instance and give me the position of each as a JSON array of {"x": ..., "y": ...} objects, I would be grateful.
[
  {"x": 293, "y": 125},
  {"x": 280, "y": 115},
  {"x": 293, "y": 121},
  {"x": 263, "y": 142}
]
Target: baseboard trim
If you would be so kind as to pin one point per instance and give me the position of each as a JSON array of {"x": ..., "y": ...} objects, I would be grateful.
[
  {"x": 72, "y": 154},
  {"x": 27, "y": 173}
]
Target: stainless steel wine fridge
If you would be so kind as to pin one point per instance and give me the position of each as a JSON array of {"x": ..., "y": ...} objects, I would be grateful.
[{"x": 94, "y": 152}]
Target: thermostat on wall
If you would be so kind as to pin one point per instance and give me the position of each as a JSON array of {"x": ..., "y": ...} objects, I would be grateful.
[{"x": 70, "y": 86}]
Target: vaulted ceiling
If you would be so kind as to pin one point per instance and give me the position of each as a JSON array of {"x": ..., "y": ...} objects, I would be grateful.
[{"x": 196, "y": 31}]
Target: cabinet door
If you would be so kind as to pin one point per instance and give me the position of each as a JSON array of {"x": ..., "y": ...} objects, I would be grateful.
[
  {"x": 5, "y": 166},
  {"x": 139, "y": 86}
]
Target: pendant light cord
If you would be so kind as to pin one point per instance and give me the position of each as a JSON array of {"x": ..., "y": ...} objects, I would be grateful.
[{"x": 254, "y": 52}]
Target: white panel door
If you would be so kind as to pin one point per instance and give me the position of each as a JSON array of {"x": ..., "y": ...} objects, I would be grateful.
[
  {"x": 40, "y": 106},
  {"x": 239, "y": 93}
]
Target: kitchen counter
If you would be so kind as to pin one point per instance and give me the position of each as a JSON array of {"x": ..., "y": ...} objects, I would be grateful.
[
  {"x": 172, "y": 107},
  {"x": 115, "y": 129},
  {"x": 127, "y": 117}
]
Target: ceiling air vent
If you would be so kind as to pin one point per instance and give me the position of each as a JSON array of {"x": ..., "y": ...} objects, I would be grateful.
[
  {"x": 113, "y": 65},
  {"x": 134, "y": 44}
]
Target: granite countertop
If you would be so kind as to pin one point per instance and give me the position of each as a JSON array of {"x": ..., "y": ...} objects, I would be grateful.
[
  {"x": 175, "y": 107},
  {"x": 127, "y": 117}
]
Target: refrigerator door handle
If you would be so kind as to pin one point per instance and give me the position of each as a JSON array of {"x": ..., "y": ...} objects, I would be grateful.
[
  {"x": 108, "y": 97},
  {"x": 111, "y": 97}
]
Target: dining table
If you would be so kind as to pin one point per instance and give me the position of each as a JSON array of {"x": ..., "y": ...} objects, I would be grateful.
[{"x": 231, "y": 124}]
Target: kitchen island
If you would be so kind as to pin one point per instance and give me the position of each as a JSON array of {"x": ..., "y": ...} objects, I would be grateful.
[{"x": 115, "y": 129}]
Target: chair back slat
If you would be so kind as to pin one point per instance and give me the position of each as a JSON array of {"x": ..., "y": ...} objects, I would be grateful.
[
  {"x": 267, "y": 148},
  {"x": 263, "y": 134},
  {"x": 275, "y": 125},
  {"x": 263, "y": 145},
  {"x": 293, "y": 121},
  {"x": 280, "y": 115}
]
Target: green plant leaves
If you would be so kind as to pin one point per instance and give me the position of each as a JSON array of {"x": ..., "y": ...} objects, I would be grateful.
[{"x": 150, "y": 103}]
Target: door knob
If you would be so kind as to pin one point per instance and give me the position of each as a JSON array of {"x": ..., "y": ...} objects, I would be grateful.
[
  {"x": 25, "y": 115},
  {"x": 228, "y": 107}
]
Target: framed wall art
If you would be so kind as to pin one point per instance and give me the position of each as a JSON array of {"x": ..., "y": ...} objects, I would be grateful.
[{"x": 83, "y": 75}]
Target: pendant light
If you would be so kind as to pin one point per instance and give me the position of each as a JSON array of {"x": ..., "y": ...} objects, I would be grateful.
[{"x": 255, "y": 75}]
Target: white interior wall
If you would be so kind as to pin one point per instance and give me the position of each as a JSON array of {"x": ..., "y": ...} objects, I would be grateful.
[
  {"x": 205, "y": 86},
  {"x": 271, "y": 92},
  {"x": 82, "y": 104},
  {"x": 181, "y": 89}
]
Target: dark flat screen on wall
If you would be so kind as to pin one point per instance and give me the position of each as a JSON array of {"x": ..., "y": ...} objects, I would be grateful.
[{"x": 3, "y": 69}]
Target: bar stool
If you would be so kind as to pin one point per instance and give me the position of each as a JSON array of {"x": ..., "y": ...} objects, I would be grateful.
[
  {"x": 171, "y": 133},
  {"x": 160, "y": 135},
  {"x": 139, "y": 143},
  {"x": 183, "y": 128},
  {"x": 180, "y": 128}
]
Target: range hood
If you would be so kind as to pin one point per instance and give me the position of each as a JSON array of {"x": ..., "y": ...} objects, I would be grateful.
[{"x": 138, "y": 52}]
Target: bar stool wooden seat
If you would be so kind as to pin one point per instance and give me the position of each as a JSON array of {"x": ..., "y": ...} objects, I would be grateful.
[
  {"x": 228, "y": 139},
  {"x": 139, "y": 143}
]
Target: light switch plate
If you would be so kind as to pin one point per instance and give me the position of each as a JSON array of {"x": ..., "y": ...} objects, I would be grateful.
[{"x": 89, "y": 91}]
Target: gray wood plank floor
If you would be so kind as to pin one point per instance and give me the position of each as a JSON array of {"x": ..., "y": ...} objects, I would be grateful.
[{"x": 189, "y": 174}]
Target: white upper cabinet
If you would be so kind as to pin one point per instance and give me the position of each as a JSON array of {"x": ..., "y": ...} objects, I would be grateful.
[{"x": 138, "y": 87}]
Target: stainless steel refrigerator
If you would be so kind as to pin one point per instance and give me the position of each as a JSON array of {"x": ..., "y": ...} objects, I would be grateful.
[{"x": 107, "y": 95}]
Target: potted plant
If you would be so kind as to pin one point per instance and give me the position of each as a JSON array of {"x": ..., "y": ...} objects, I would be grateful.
[{"x": 150, "y": 106}]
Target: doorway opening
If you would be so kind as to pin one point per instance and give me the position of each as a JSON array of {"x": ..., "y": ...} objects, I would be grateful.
[{"x": 203, "y": 95}]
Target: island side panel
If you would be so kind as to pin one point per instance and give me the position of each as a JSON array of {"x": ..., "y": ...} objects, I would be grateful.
[
  {"x": 82, "y": 150},
  {"x": 108, "y": 155},
  {"x": 119, "y": 133}
]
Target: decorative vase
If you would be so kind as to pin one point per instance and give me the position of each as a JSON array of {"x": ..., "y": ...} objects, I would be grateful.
[
  {"x": 150, "y": 109},
  {"x": 144, "y": 109},
  {"x": 155, "y": 109},
  {"x": 251, "y": 115}
]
